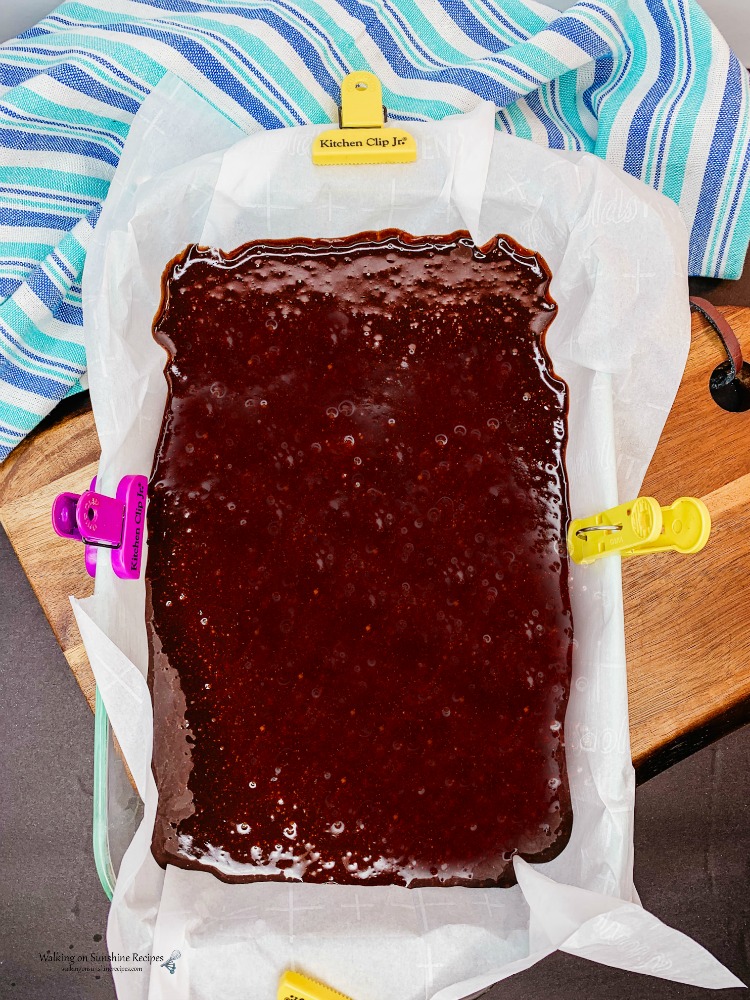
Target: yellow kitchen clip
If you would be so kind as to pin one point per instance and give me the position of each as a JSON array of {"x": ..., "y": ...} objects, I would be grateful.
[
  {"x": 295, "y": 986},
  {"x": 640, "y": 528},
  {"x": 362, "y": 136}
]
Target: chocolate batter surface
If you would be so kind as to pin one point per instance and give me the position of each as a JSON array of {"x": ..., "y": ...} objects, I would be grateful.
[{"x": 358, "y": 602}]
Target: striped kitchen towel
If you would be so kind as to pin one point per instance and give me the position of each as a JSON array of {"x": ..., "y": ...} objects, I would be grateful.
[{"x": 648, "y": 84}]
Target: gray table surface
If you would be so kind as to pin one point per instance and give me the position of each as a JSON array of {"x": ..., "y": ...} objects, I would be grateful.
[{"x": 692, "y": 858}]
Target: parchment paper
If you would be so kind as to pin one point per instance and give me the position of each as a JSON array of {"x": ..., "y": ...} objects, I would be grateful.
[{"x": 618, "y": 253}]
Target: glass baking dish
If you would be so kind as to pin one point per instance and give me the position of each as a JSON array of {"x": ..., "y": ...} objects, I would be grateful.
[{"x": 117, "y": 806}]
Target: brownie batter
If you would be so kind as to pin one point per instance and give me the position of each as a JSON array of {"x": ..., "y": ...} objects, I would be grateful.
[{"x": 358, "y": 600}]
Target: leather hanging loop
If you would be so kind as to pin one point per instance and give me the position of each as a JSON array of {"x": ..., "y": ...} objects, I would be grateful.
[
  {"x": 730, "y": 381},
  {"x": 724, "y": 331}
]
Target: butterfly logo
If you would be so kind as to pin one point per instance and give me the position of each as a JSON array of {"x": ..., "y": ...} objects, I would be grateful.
[{"x": 170, "y": 962}]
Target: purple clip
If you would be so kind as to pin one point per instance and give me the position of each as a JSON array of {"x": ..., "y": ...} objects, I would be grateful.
[{"x": 101, "y": 522}]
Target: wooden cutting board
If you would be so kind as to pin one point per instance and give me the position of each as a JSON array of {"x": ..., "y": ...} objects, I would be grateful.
[{"x": 687, "y": 617}]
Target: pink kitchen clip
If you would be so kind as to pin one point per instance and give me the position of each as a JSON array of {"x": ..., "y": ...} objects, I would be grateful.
[{"x": 102, "y": 522}]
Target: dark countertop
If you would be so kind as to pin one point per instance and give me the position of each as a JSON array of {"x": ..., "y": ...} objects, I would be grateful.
[{"x": 692, "y": 858}]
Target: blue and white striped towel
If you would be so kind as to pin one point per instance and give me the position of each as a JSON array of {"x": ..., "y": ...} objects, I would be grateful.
[{"x": 648, "y": 84}]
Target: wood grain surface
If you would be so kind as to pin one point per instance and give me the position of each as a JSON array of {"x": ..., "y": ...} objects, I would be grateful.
[{"x": 687, "y": 617}]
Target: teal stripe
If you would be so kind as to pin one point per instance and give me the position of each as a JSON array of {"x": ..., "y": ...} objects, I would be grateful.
[
  {"x": 74, "y": 46},
  {"x": 684, "y": 127},
  {"x": 263, "y": 52},
  {"x": 405, "y": 105},
  {"x": 9, "y": 351},
  {"x": 14, "y": 416},
  {"x": 59, "y": 207},
  {"x": 93, "y": 15},
  {"x": 62, "y": 181},
  {"x": 567, "y": 96},
  {"x": 35, "y": 106},
  {"x": 27, "y": 251},
  {"x": 49, "y": 128},
  {"x": 340, "y": 40},
  {"x": 528, "y": 21},
  {"x": 75, "y": 388},
  {"x": 6, "y": 440},
  {"x": 425, "y": 32},
  {"x": 72, "y": 250},
  {"x": 539, "y": 61},
  {"x": 15, "y": 272},
  {"x": 56, "y": 275},
  {"x": 273, "y": 68},
  {"x": 53, "y": 347},
  {"x": 507, "y": 70},
  {"x": 521, "y": 127},
  {"x": 314, "y": 39}
]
